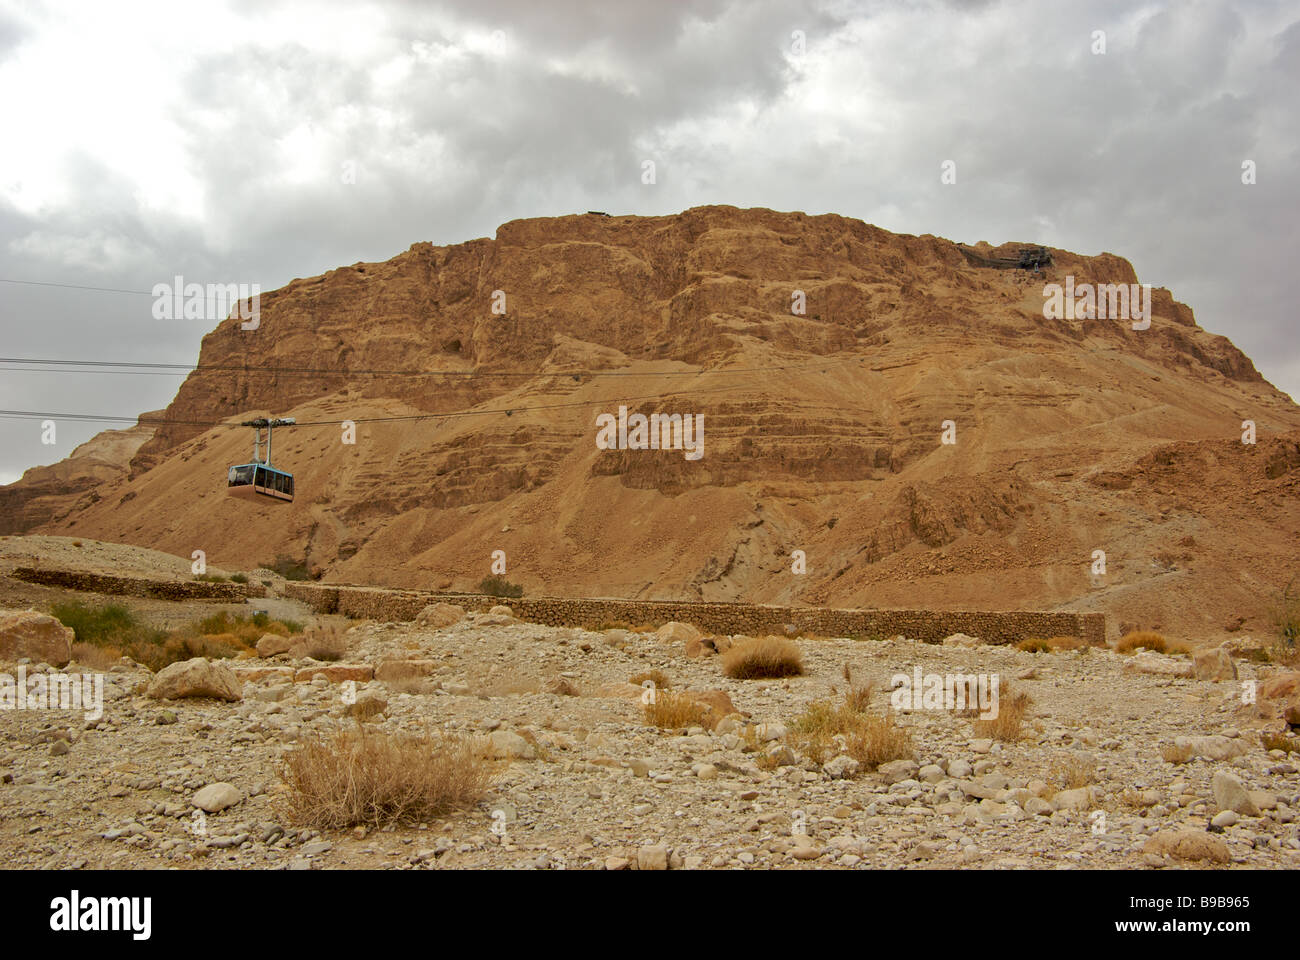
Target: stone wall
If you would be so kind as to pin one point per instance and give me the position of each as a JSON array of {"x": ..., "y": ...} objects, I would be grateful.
[
  {"x": 370, "y": 603},
  {"x": 202, "y": 590}
]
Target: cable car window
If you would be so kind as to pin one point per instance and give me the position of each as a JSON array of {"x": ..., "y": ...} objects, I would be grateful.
[
  {"x": 240, "y": 475},
  {"x": 288, "y": 485}
]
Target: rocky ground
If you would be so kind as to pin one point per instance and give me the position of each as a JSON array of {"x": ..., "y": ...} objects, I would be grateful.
[{"x": 592, "y": 786}]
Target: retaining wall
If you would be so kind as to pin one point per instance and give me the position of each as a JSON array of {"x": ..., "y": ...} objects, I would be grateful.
[
  {"x": 370, "y": 603},
  {"x": 201, "y": 590}
]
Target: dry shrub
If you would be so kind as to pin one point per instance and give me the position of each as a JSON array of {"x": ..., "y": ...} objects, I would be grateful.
[
  {"x": 1013, "y": 707},
  {"x": 676, "y": 711},
  {"x": 1066, "y": 643},
  {"x": 858, "y": 697},
  {"x": 657, "y": 677},
  {"x": 365, "y": 777},
  {"x": 1276, "y": 740},
  {"x": 1072, "y": 770},
  {"x": 1034, "y": 645},
  {"x": 869, "y": 738},
  {"x": 1141, "y": 638},
  {"x": 761, "y": 658},
  {"x": 97, "y": 658},
  {"x": 1172, "y": 753},
  {"x": 326, "y": 644}
]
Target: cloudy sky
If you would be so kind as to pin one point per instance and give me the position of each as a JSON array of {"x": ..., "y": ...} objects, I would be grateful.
[{"x": 259, "y": 141}]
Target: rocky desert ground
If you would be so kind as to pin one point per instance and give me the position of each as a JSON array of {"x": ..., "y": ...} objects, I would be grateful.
[{"x": 1133, "y": 760}]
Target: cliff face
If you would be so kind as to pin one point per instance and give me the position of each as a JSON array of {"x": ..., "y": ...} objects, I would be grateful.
[{"x": 822, "y": 430}]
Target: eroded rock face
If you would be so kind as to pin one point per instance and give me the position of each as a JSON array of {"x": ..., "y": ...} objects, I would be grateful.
[
  {"x": 198, "y": 677},
  {"x": 897, "y": 329},
  {"x": 38, "y": 636}
]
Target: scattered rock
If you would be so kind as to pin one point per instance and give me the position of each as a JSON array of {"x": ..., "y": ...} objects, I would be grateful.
[
  {"x": 216, "y": 797},
  {"x": 198, "y": 677},
  {"x": 1230, "y": 794},
  {"x": 1216, "y": 664},
  {"x": 438, "y": 615},
  {"x": 37, "y": 636},
  {"x": 1188, "y": 844},
  {"x": 272, "y": 644}
]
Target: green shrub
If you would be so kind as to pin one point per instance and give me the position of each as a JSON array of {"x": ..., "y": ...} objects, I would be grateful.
[{"x": 499, "y": 587}]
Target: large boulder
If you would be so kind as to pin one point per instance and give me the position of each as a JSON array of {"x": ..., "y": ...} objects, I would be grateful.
[
  {"x": 1231, "y": 794},
  {"x": 438, "y": 615},
  {"x": 26, "y": 633},
  {"x": 1215, "y": 664},
  {"x": 676, "y": 632},
  {"x": 1281, "y": 686},
  {"x": 195, "y": 678},
  {"x": 216, "y": 797},
  {"x": 1188, "y": 844},
  {"x": 272, "y": 644},
  {"x": 1212, "y": 747}
]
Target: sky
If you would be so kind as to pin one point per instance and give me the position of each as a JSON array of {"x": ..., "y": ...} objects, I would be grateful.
[{"x": 257, "y": 141}]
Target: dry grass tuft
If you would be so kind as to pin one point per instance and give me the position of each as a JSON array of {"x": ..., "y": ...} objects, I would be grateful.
[
  {"x": 763, "y": 658},
  {"x": 325, "y": 643},
  {"x": 1070, "y": 771},
  {"x": 1013, "y": 708},
  {"x": 96, "y": 658},
  {"x": 676, "y": 711},
  {"x": 657, "y": 677},
  {"x": 1280, "y": 741},
  {"x": 1034, "y": 645},
  {"x": 1141, "y": 638},
  {"x": 361, "y": 777},
  {"x": 858, "y": 697},
  {"x": 827, "y": 728}
]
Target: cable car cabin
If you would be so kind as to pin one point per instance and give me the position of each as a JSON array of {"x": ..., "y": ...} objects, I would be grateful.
[{"x": 248, "y": 481}]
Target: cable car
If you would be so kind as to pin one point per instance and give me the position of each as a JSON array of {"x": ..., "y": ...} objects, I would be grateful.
[{"x": 249, "y": 481}]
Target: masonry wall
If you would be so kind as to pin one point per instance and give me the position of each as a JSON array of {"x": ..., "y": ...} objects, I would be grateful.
[
  {"x": 202, "y": 590},
  {"x": 727, "y": 618}
]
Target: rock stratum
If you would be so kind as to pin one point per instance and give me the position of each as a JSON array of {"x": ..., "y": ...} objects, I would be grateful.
[{"x": 822, "y": 431}]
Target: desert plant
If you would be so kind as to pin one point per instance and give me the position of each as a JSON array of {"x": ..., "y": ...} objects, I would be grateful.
[
  {"x": 1013, "y": 707},
  {"x": 676, "y": 711},
  {"x": 657, "y": 677},
  {"x": 97, "y": 658},
  {"x": 1275, "y": 740},
  {"x": 1070, "y": 771},
  {"x": 96, "y": 625},
  {"x": 1034, "y": 645},
  {"x": 826, "y": 728},
  {"x": 371, "y": 778},
  {"x": 239, "y": 578},
  {"x": 495, "y": 586},
  {"x": 764, "y": 657},
  {"x": 325, "y": 643},
  {"x": 1147, "y": 639}
]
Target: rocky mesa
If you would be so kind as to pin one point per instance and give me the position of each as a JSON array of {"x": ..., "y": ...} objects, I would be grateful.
[{"x": 823, "y": 430}]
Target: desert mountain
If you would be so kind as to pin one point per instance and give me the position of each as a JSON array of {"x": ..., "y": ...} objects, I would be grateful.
[{"x": 822, "y": 431}]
